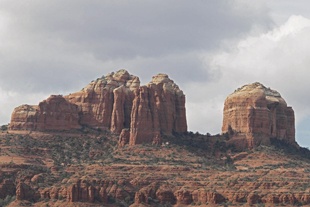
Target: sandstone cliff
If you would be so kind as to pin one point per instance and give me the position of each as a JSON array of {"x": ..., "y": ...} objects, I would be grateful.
[
  {"x": 113, "y": 102},
  {"x": 253, "y": 114},
  {"x": 54, "y": 113},
  {"x": 106, "y": 102},
  {"x": 157, "y": 107}
]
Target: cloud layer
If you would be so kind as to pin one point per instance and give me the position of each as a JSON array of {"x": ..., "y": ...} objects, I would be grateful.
[{"x": 73, "y": 39}]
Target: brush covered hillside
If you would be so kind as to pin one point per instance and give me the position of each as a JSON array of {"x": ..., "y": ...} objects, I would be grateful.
[
  {"x": 90, "y": 169},
  {"x": 116, "y": 143}
]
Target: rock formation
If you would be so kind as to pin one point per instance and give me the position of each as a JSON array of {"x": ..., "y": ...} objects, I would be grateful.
[
  {"x": 106, "y": 102},
  {"x": 253, "y": 114},
  {"x": 205, "y": 196},
  {"x": 113, "y": 102},
  {"x": 25, "y": 192},
  {"x": 157, "y": 107},
  {"x": 54, "y": 113},
  {"x": 124, "y": 137}
]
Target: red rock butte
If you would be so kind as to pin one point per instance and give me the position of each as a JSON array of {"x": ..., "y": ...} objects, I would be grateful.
[
  {"x": 254, "y": 114},
  {"x": 113, "y": 102}
]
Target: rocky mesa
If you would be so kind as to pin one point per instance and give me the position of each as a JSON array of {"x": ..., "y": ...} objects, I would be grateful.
[
  {"x": 254, "y": 114},
  {"x": 113, "y": 102}
]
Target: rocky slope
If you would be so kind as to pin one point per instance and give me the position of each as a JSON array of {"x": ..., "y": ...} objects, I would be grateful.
[
  {"x": 90, "y": 169},
  {"x": 253, "y": 114},
  {"x": 114, "y": 102}
]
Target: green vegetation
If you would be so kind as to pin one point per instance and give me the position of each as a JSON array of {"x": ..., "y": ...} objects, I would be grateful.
[
  {"x": 4, "y": 127},
  {"x": 7, "y": 200},
  {"x": 288, "y": 148}
]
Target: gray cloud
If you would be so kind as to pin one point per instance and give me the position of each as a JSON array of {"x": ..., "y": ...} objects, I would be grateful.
[
  {"x": 121, "y": 29},
  {"x": 65, "y": 39}
]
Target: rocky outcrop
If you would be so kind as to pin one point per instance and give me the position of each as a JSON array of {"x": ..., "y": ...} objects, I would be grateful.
[
  {"x": 124, "y": 137},
  {"x": 183, "y": 196},
  {"x": 25, "y": 192},
  {"x": 253, "y": 114},
  {"x": 156, "y": 193},
  {"x": 253, "y": 198},
  {"x": 24, "y": 117},
  {"x": 205, "y": 196},
  {"x": 113, "y": 102},
  {"x": 165, "y": 195},
  {"x": 106, "y": 102},
  {"x": 90, "y": 192},
  {"x": 54, "y": 113},
  {"x": 158, "y": 107},
  {"x": 145, "y": 194}
]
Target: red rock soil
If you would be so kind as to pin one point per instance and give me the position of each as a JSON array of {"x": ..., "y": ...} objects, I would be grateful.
[{"x": 88, "y": 168}]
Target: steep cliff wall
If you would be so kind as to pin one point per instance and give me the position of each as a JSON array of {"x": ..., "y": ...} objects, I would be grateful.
[
  {"x": 158, "y": 107},
  {"x": 106, "y": 102}
]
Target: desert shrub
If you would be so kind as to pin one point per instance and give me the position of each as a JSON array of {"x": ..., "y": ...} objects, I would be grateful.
[
  {"x": 4, "y": 127},
  {"x": 290, "y": 149},
  {"x": 7, "y": 200}
]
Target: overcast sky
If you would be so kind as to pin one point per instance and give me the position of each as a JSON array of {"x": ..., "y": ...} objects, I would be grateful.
[{"x": 209, "y": 47}]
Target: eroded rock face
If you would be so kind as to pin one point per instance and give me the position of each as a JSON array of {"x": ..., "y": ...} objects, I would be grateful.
[
  {"x": 205, "y": 196},
  {"x": 165, "y": 195},
  {"x": 54, "y": 113},
  {"x": 253, "y": 114},
  {"x": 113, "y": 102},
  {"x": 80, "y": 191},
  {"x": 24, "y": 117},
  {"x": 25, "y": 192},
  {"x": 106, "y": 102},
  {"x": 158, "y": 107},
  {"x": 124, "y": 137},
  {"x": 183, "y": 196}
]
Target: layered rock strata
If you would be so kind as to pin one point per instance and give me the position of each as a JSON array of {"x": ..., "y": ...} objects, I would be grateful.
[
  {"x": 253, "y": 114},
  {"x": 106, "y": 102},
  {"x": 113, "y": 102},
  {"x": 159, "y": 106},
  {"x": 54, "y": 113},
  {"x": 155, "y": 194}
]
